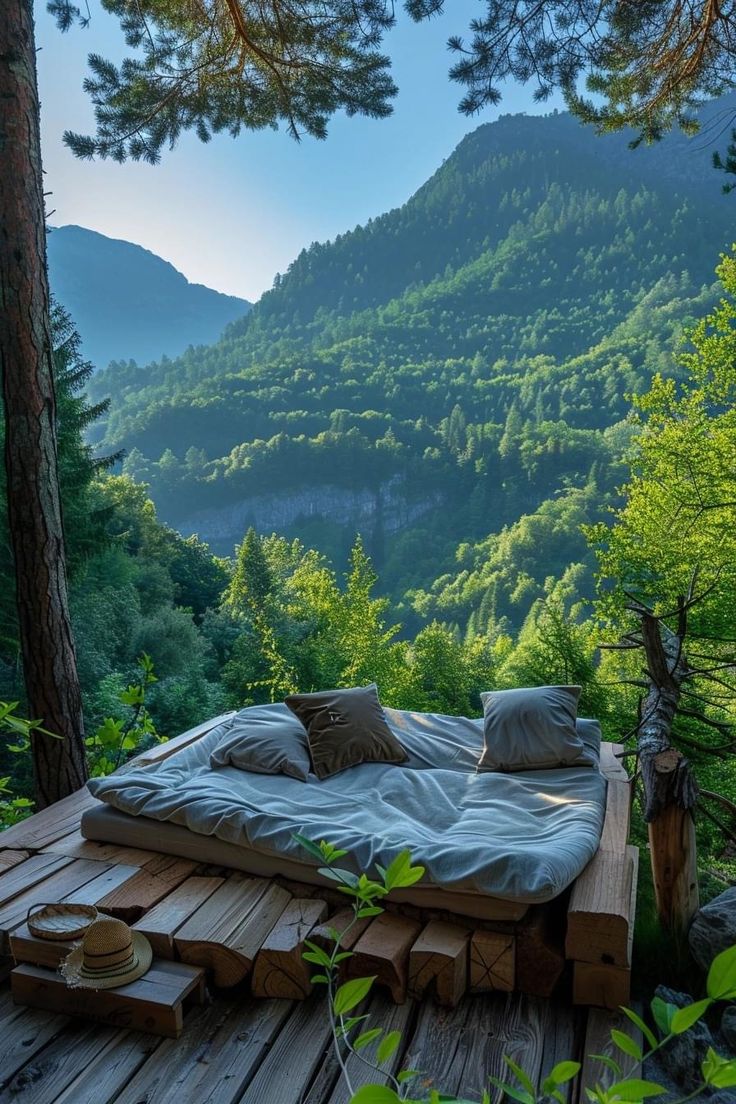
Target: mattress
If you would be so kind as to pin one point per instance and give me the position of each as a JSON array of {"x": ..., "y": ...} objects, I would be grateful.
[
  {"x": 519, "y": 838},
  {"x": 110, "y": 826}
]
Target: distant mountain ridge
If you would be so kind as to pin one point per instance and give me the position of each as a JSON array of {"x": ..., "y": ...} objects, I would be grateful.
[
  {"x": 455, "y": 370},
  {"x": 130, "y": 304}
]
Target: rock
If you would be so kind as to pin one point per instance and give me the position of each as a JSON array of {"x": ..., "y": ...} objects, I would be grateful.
[
  {"x": 680, "y": 1060},
  {"x": 713, "y": 928},
  {"x": 728, "y": 1028}
]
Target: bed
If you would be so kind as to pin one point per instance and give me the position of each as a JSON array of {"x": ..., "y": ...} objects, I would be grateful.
[{"x": 491, "y": 843}]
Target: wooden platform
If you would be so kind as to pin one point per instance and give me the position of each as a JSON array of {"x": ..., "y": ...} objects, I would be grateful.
[
  {"x": 250, "y": 931},
  {"x": 239, "y": 1050}
]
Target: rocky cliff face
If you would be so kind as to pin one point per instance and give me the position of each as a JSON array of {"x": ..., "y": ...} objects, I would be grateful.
[{"x": 388, "y": 509}]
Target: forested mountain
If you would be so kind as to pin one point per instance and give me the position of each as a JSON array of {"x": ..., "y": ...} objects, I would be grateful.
[
  {"x": 450, "y": 379},
  {"x": 130, "y": 303}
]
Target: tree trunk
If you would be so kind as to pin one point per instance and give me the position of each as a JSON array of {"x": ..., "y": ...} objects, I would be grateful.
[
  {"x": 34, "y": 507},
  {"x": 670, "y": 790}
]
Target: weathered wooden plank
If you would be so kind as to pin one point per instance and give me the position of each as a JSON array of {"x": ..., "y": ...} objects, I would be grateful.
[
  {"x": 383, "y": 951},
  {"x": 215, "y": 1058},
  {"x": 27, "y": 874},
  {"x": 382, "y": 1012},
  {"x": 55, "y": 888},
  {"x": 51, "y": 1070},
  {"x": 540, "y": 954},
  {"x": 50, "y": 824},
  {"x": 438, "y": 961},
  {"x": 492, "y": 961},
  {"x": 600, "y": 916},
  {"x": 153, "y": 1003},
  {"x": 147, "y": 887},
  {"x": 533, "y": 1032},
  {"x": 25, "y": 1033},
  {"x": 611, "y": 765},
  {"x": 160, "y": 923},
  {"x": 342, "y": 921},
  {"x": 110, "y": 1070},
  {"x": 279, "y": 969},
  {"x": 598, "y": 1041},
  {"x": 288, "y": 1069},
  {"x": 77, "y": 847},
  {"x": 439, "y": 1044},
  {"x": 25, "y": 947},
  {"x": 10, "y": 858},
  {"x": 226, "y": 932},
  {"x": 618, "y": 816}
]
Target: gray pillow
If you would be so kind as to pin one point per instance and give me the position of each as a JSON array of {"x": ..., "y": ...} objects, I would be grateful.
[
  {"x": 532, "y": 728},
  {"x": 265, "y": 739}
]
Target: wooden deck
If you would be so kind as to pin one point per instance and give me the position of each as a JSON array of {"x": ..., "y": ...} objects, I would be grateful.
[
  {"x": 239, "y": 1050},
  {"x": 450, "y": 986}
]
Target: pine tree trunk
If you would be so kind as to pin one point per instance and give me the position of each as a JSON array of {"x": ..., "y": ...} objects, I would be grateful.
[{"x": 34, "y": 507}]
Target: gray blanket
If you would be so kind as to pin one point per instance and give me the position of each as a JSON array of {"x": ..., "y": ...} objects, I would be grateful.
[{"x": 520, "y": 837}]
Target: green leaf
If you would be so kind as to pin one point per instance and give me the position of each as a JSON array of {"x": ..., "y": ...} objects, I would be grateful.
[
  {"x": 319, "y": 954},
  {"x": 406, "y": 1075},
  {"x": 515, "y": 1094},
  {"x": 320, "y": 979},
  {"x": 719, "y": 1072},
  {"x": 663, "y": 1011},
  {"x": 369, "y": 910},
  {"x": 722, "y": 976},
  {"x": 345, "y": 877},
  {"x": 633, "y": 1089},
  {"x": 684, "y": 1018},
  {"x": 643, "y": 1027},
  {"x": 375, "y": 1094},
  {"x": 351, "y": 993},
  {"x": 608, "y": 1062},
  {"x": 626, "y": 1044},
  {"x": 388, "y": 1046},
  {"x": 564, "y": 1071},
  {"x": 308, "y": 845},
  {"x": 522, "y": 1077},
  {"x": 367, "y": 1037}
]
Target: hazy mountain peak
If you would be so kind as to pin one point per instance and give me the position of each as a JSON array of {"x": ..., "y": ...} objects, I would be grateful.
[{"x": 128, "y": 303}]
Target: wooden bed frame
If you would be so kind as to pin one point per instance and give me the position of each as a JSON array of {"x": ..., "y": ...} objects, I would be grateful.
[{"x": 242, "y": 927}]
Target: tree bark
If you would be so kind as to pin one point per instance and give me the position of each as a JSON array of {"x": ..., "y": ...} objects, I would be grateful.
[
  {"x": 670, "y": 790},
  {"x": 34, "y": 506}
]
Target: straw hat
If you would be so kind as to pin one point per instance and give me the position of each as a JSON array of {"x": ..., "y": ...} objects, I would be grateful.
[{"x": 109, "y": 955}]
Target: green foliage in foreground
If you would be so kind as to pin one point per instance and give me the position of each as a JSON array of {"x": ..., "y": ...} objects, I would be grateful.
[{"x": 377, "y": 1047}]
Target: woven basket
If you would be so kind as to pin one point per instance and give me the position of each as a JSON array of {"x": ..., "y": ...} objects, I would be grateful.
[{"x": 60, "y": 921}]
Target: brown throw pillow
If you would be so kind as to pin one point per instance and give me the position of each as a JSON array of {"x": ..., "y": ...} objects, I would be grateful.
[
  {"x": 344, "y": 728},
  {"x": 532, "y": 729}
]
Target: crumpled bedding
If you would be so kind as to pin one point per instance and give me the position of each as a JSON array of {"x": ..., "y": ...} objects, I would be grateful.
[{"x": 520, "y": 837}]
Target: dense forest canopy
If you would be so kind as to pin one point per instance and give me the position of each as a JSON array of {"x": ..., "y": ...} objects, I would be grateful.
[{"x": 450, "y": 379}]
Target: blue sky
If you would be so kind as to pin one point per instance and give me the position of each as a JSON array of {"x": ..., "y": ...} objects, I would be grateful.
[{"x": 234, "y": 212}]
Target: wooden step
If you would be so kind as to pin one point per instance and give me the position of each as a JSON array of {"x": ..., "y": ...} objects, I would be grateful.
[
  {"x": 154, "y": 1003},
  {"x": 160, "y": 924},
  {"x": 600, "y": 917},
  {"x": 226, "y": 932},
  {"x": 280, "y": 969},
  {"x": 153, "y": 882},
  {"x": 438, "y": 962},
  {"x": 383, "y": 951},
  {"x": 492, "y": 962}
]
